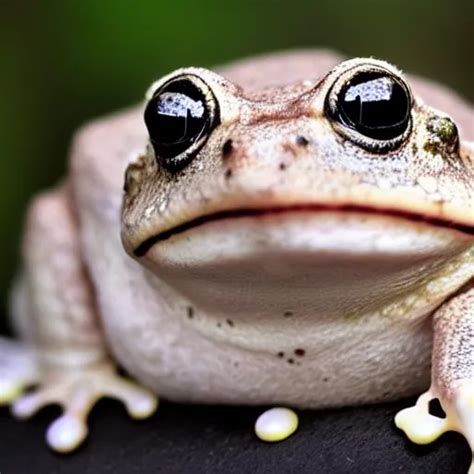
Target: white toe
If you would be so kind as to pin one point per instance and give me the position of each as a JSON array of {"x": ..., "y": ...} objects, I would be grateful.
[{"x": 66, "y": 433}]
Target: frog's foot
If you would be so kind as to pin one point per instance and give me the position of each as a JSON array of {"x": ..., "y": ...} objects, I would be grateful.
[
  {"x": 418, "y": 424},
  {"x": 18, "y": 369},
  {"x": 77, "y": 391},
  {"x": 452, "y": 375},
  {"x": 421, "y": 427}
]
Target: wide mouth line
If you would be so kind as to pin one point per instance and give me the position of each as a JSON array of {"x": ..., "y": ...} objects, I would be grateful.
[{"x": 145, "y": 246}]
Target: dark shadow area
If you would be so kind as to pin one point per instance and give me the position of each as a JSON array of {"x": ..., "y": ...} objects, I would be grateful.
[{"x": 199, "y": 439}]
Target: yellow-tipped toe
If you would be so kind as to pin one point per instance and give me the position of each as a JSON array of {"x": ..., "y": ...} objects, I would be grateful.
[{"x": 276, "y": 424}]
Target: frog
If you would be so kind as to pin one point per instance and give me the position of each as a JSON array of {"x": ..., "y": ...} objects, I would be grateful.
[{"x": 291, "y": 229}]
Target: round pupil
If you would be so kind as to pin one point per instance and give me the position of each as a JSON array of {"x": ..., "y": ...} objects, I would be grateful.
[
  {"x": 176, "y": 118},
  {"x": 376, "y": 105}
]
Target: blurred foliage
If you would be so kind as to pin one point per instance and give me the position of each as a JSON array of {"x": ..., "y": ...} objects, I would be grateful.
[{"x": 63, "y": 62}]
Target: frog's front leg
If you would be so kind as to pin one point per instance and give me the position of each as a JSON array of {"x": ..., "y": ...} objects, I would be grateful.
[
  {"x": 73, "y": 368},
  {"x": 452, "y": 376}
]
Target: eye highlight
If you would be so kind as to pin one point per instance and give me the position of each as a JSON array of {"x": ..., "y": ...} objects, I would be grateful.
[
  {"x": 370, "y": 106},
  {"x": 179, "y": 118}
]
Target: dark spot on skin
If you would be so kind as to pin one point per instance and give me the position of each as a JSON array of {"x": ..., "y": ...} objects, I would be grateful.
[
  {"x": 281, "y": 355},
  {"x": 298, "y": 363},
  {"x": 288, "y": 314},
  {"x": 219, "y": 325},
  {"x": 431, "y": 147},
  {"x": 291, "y": 361},
  {"x": 414, "y": 148},
  {"x": 228, "y": 173},
  {"x": 282, "y": 166},
  {"x": 190, "y": 311},
  {"x": 302, "y": 141},
  {"x": 236, "y": 364},
  {"x": 300, "y": 352},
  {"x": 325, "y": 379},
  {"x": 227, "y": 148},
  {"x": 230, "y": 322}
]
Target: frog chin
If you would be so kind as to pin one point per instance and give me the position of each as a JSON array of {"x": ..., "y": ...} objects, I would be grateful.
[{"x": 294, "y": 258}]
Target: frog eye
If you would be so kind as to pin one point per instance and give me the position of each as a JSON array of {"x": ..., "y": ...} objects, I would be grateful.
[
  {"x": 179, "y": 118},
  {"x": 370, "y": 106}
]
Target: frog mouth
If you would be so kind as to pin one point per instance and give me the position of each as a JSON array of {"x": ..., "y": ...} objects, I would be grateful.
[{"x": 146, "y": 245}]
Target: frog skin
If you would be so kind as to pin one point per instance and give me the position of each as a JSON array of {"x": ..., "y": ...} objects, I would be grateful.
[{"x": 268, "y": 245}]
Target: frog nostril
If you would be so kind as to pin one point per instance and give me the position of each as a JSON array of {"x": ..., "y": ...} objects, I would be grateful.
[
  {"x": 227, "y": 148},
  {"x": 302, "y": 141}
]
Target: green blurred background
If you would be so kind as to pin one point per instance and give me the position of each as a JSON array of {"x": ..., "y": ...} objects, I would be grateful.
[{"x": 64, "y": 62}]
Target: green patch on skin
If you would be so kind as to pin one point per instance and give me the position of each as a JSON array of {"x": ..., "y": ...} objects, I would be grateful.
[
  {"x": 445, "y": 134},
  {"x": 445, "y": 129}
]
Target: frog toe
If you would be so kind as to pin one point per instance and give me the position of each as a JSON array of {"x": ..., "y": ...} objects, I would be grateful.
[
  {"x": 27, "y": 405},
  {"x": 67, "y": 433},
  {"x": 139, "y": 402}
]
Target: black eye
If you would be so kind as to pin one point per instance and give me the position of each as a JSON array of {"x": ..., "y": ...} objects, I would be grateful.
[
  {"x": 375, "y": 104},
  {"x": 179, "y": 118}
]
